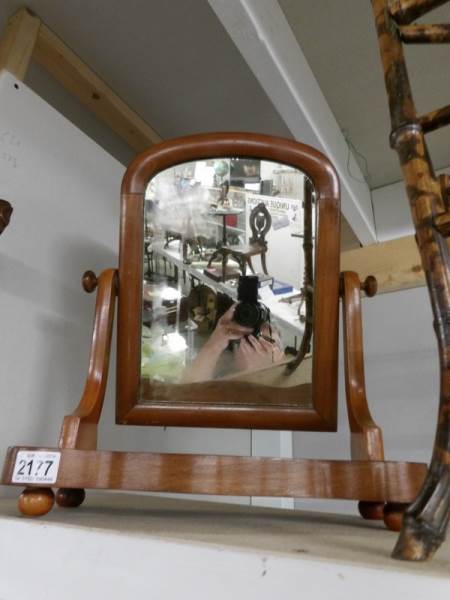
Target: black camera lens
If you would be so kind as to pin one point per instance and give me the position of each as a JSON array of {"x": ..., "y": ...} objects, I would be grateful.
[{"x": 248, "y": 315}]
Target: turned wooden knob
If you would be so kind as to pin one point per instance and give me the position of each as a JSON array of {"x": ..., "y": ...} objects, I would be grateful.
[
  {"x": 369, "y": 286},
  {"x": 35, "y": 502},
  {"x": 89, "y": 281},
  {"x": 70, "y": 497},
  {"x": 393, "y": 515},
  {"x": 5, "y": 214},
  {"x": 372, "y": 511}
]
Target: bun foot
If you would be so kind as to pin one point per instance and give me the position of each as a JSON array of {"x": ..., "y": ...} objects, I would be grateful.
[
  {"x": 372, "y": 511},
  {"x": 70, "y": 497},
  {"x": 35, "y": 502},
  {"x": 393, "y": 515}
]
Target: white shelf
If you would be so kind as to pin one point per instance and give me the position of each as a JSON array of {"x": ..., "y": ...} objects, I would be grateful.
[{"x": 129, "y": 546}]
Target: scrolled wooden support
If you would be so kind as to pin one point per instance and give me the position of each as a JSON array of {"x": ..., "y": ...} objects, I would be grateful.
[
  {"x": 89, "y": 281},
  {"x": 79, "y": 429},
  {"x": 407, "y": 11},
  {"x": 366, "y": 436}
]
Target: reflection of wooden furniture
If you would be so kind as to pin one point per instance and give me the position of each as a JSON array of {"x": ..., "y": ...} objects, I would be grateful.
[
  {"x": 196, "y": 243},
  {"x": 308, "y": 274},
  {"x": 260, "y": 223},
  {"x": 426, "y": 519},
  {"x": 304, "y": 406},
  {"x": 224, "y": 213}
]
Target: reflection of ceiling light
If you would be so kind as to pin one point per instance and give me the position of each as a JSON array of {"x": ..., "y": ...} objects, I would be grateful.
[
  {"x": 176, "y": 342},
  {"x": 170, "y": 293}
]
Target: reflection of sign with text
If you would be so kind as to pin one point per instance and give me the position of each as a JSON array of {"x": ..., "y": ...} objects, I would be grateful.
[{"x": 285, "y": 212}]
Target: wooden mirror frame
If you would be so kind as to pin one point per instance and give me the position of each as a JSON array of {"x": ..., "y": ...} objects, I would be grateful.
[{"x": 183, "y": 407}]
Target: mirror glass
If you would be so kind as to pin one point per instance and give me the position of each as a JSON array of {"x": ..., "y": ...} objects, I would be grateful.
[{"x": 228, "y": 273}]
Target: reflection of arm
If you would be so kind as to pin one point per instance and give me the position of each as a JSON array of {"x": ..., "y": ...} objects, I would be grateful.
[{"x": 204, "y": 365}]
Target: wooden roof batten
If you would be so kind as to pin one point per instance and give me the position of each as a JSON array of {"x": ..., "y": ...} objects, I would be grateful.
[{"x": 27, "y": 38}]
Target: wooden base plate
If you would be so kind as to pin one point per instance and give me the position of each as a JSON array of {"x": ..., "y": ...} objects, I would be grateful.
[{"x": 231, "y": 475}]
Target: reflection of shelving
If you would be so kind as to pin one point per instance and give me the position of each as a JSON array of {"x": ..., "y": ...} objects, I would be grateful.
[
  {"x": 301, "y": 235},
  {"x": 229, "y": 227},
  {"x": 285, "y": 314},
  {"x": 288, "y": 182}
]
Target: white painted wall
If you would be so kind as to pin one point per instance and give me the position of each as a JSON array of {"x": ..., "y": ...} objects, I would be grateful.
[
  {"x": 402, "y": 378},
  {"x": 65, "y": 192}
]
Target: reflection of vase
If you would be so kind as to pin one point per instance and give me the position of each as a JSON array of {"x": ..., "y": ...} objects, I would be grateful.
[{"x": 221, "y": 168}]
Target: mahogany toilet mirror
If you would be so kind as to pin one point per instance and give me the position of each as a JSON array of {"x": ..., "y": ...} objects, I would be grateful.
[{"x": 211, "y": 223}]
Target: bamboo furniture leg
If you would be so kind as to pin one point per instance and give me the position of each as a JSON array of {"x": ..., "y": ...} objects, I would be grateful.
[
  {"x": 426, "y": 519},
  {"x": 79, "y": 430}
]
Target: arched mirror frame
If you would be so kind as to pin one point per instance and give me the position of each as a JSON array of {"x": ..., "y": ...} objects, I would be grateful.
[{"x": 182, "y": 406}]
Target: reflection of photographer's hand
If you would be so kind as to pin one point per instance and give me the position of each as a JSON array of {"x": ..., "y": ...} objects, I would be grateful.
[
  {"x": 225, "y": 331},
  {"x": 204, "y": 365},
  {"x": 256, "y": 353}
]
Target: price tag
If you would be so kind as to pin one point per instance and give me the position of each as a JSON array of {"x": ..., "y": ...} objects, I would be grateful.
[{"x": 36, "y": 467}]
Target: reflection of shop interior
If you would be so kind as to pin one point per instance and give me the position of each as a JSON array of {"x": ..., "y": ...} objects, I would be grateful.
[{"x": 195, "y": 215}]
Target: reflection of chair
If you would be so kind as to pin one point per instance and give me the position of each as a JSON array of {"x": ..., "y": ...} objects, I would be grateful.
[
  {"x": 194, "y": 243},
  {"x": 148, "y": 248},
  {"x": 260, "y": 223}
]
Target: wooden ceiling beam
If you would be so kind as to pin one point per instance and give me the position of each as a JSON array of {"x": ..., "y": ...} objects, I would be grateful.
[
  {"x": 18, "y": 42},
  {"x": 27, "y": 38},
  {"x": 81, "y": 81},
  {"x": 396, "y": 264}
]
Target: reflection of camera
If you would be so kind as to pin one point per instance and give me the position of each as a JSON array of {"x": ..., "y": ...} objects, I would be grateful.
[{"x": 249, "y": 312}]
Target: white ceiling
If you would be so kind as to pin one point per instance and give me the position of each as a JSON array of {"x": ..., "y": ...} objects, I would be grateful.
[
  {"x": 170, "y": 60},
  {"x": 339, "y": 41}
]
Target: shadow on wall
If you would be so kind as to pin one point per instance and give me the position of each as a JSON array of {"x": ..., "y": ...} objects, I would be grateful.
[
  {"x": 46, "y": 336},
  {"x": 60, "y": 293}
]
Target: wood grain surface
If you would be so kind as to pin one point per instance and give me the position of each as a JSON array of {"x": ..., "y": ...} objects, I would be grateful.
[{"x": 234, "y": 475}]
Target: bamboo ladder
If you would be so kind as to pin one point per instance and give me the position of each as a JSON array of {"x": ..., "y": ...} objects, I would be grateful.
[{"x": 425, "y": 521}]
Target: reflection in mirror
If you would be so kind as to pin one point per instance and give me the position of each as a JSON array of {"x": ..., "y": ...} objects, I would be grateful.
[{"x": 228, "y": 273}]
